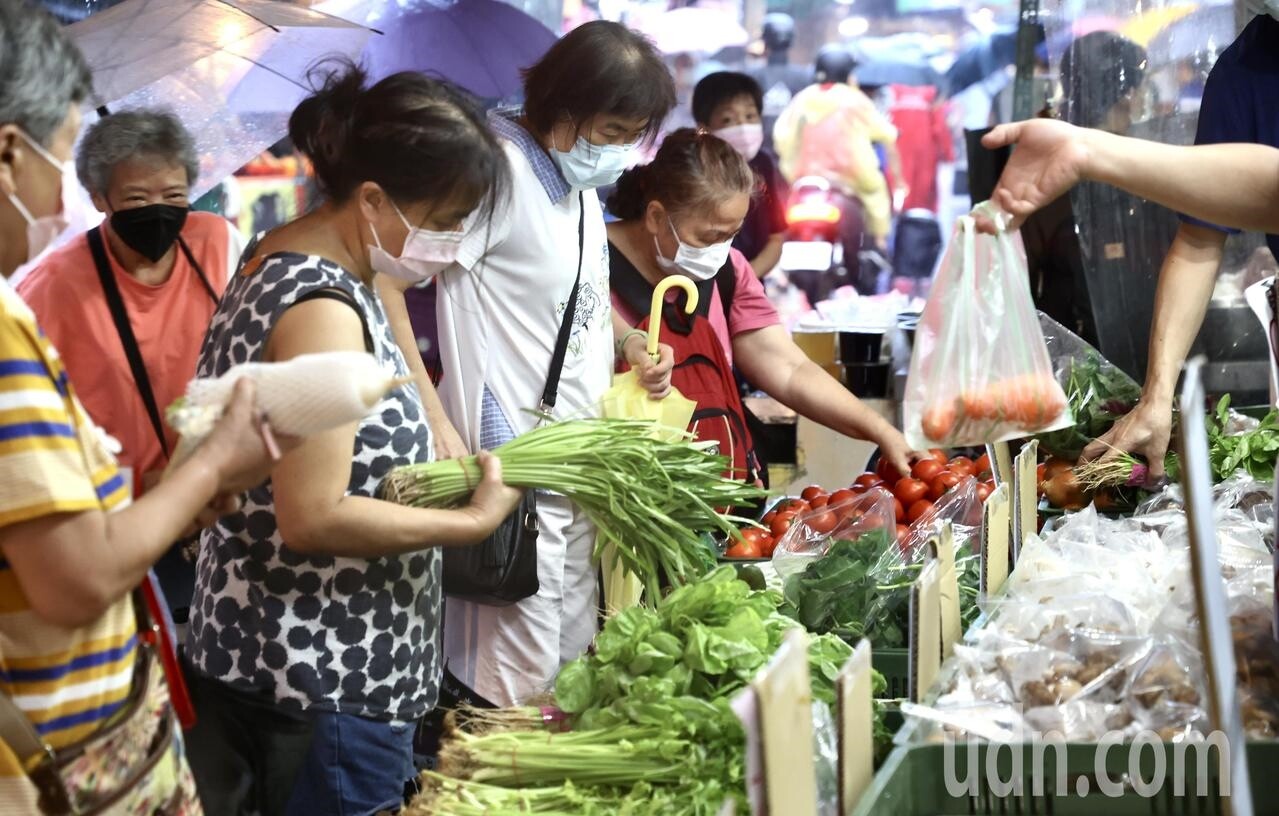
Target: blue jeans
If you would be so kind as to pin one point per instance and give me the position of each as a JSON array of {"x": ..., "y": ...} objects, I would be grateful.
[{"x": 355, "y": 767}]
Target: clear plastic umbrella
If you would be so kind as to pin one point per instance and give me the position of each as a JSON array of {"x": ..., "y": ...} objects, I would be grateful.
[{"x": 232, "y": 70}]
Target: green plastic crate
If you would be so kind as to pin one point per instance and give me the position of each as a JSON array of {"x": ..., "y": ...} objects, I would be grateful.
[
  {"x": 894, "y": 664},
  {"x": 912, "y": 783}
]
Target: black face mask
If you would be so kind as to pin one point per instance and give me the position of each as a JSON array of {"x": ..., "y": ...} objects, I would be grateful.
[{"x": 151, "y": 230}]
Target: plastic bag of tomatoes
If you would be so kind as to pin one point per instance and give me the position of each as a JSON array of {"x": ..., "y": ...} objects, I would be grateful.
[
  {"x": 849, "y": 518},
  {"x": 980, "y": 371}
]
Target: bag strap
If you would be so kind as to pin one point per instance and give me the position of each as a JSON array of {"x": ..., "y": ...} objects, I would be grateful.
[
  {"x": 551, "y": 393},
  {"x": 199, "y": 270},
  {"x": 38, "y": 760},
  {"x": 726, "y": 282},
  {"x": 120, "y": 315}
]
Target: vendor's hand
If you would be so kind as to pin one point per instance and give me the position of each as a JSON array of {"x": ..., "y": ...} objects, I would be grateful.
[
  {"x": 448, "y": 442},
  {"x": 1144, "y": 431},
  {"x": 654, "y": 376},
  {"x": 493, "y": 500},
  {"x": 1049, "y": 159},
  {"x": 220, "y": 506}
]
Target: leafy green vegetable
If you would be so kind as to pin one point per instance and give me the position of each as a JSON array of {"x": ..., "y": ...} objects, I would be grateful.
[
  {"x": 1098, "y": 394},
  {"x": 847, "y": 593},
  {"x": 1253, "y": 451}
]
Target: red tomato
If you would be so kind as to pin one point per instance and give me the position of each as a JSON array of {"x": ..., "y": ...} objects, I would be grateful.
[
  {"x": 939, "y": 455},
  {"x": 886, "y": 471},
  {"x": 961, "y": 461},
  {"x": 819, "y": 502},
  {"x": 918, "y": 510},
  {"x": 850, "y": 515},
  {"x": 782, "y": 523},
  {"x": 767, "y": 520},
  {"x": 984, "y": 490},
  {"x": 811, "y": 492},
  {"x": 903, "y": 533},
  {"x": 942, "y": 485},
  {"x": 1040, "y": 478},
  {"x": 753, "y": 535},
  {"x": 983, "y": 465},
  {"x": 743, "y": 549},
  {"x": 909, "y": 491},
  {"x": 868, "y": 480},
  {"x": 927, "y": 469},
  {"x": 766, "y": 546},
  {"x": 841, "y": 497},
  {"x": 823, "y": 522},
  {"x": 899, "y": 509},
  {"x": 938, "y": 421},
  {"x": 794, "y": 506},
  {"x": 962, "y": 469}
]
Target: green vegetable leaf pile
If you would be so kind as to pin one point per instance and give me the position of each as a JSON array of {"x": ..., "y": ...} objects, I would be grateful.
[
  {"x": 1098, "y": 394},
  {"x": 849, "y": 593},
  {"x": 1253, "y": 451}
]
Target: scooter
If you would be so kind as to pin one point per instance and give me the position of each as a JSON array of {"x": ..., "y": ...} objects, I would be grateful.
[{"x": 823, "y": 248}]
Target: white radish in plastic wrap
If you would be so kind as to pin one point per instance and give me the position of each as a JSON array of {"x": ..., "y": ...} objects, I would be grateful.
[{"x": 300, "y": 397}]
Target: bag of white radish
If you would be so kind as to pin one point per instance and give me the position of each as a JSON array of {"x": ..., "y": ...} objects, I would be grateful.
[
  {"x": 980, "y": 370},
  {"x": 300, "y": 397}
]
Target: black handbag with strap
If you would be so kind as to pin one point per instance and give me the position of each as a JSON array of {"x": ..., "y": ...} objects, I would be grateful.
[{"x": 502, "y": 569}]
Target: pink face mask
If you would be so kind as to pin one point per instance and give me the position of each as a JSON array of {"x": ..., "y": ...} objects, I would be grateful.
[
  {"x": 424, "y": 256},
  {"x": 745, "y": 139}
]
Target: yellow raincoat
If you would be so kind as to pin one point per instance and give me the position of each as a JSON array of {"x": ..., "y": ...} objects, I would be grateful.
[{"x": 831, "y": 131}]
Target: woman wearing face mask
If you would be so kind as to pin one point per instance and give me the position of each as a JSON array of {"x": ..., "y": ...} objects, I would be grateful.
[
  {"x": 315, "y": 624},
  {"x": 728, "y": 104},
  {"x": 678, "y": 217},
  {"x": 165, "y": 266},
  {"x": 596, "y": 93},
  {"x": 82, "y": 696}
]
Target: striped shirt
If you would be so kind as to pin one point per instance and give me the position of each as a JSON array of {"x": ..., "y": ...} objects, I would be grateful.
[{"x": 52, "y": 460}]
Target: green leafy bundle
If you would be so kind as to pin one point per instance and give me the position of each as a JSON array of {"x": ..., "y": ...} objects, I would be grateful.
[
  {"x": 850, "y": 592},
  {"x": 1098, "y": 394},
  {"x": 1254, "y": 451},
  {"x": 650, "y": 497}
]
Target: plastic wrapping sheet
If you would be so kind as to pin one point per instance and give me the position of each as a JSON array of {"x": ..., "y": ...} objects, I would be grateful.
[
  {"x": 813, "y": 533},
  {"x": 1136, "y": 68},
  {"x": 826, "y": 759}
]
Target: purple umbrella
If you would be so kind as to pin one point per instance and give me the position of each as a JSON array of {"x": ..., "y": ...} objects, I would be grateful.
[{"x": 478, "y": 44}]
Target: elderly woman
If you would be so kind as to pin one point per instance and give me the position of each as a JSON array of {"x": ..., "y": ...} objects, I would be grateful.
[
  {"x": 83, "y": 705},
  {"x": 127, "y": 304}
]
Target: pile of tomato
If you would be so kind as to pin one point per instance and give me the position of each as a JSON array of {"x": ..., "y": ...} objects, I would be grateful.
[{"x": 930, "y": 478}]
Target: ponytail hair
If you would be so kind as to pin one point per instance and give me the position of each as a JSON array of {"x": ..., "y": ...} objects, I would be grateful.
[
  {"x": 418, "y": 138},
  {"x": 692, "y": 171}
]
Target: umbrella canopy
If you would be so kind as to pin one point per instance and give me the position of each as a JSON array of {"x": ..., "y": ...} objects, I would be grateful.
[
  {"x": 478, "y": 44},
  {"x": 695, "y": 30},
  {"x": 994, "y": 53},
  {"x": 1207, "y": 31},
  {"x": 232, "y": 70},
  {"x": 879, "y": 71}
]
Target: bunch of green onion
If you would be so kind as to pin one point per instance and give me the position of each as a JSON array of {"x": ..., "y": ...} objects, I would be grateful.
[{"x": 649, "y": 497}]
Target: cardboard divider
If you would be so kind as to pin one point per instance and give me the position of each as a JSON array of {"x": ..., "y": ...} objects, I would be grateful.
[
  {"x": 925, "y": 626},
  {"x": 1025, "y": 497},
  {"x": 785, "y": 699},
  {"x": 1001, "y": 462},
  {"x": 853, "y": 695},
  {"x": 995, "y": 529}
]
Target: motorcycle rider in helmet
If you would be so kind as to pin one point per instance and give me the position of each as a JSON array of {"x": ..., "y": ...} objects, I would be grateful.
[
  {"x": 830, "y": 130},
  {"x": 778, "y": 78}
]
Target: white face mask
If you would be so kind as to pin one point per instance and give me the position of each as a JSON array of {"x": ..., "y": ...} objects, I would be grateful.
[
  {"x": 746, "y": 139},
  {"x": 698, "y": 263},
  {"x": 587, "y": 166},
  {"x": 43, "y": 231},
  {"x": 424, "y": 256}
]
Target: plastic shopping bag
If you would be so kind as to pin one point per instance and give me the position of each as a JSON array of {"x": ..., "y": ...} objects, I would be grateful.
[{"x": 980, "y": 371}]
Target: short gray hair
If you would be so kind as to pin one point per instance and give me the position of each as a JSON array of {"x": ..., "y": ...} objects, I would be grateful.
[
  {"x": 42, "y": 73},
  {"x": 133, "y": 134}
]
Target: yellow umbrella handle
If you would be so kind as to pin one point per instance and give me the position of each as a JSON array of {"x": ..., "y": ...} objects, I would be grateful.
[{"x": 659, "y": 297}]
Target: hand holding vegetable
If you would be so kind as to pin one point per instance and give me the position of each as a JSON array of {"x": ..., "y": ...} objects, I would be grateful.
[
  {"x": 1144, "y": 431},
  {"x": 654, "y": 375},
  {"x": 896, "y": 450},
  {"x": 235, "y": 448},
  {"x": 492, "y": 501}
]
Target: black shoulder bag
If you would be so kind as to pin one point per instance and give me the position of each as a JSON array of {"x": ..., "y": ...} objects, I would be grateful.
[{"x": 503, "y": 568}]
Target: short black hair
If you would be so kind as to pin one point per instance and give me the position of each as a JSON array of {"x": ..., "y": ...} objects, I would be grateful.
[
  {"x": 1097, "y": 71},
  {"x": 598, "y": 68},
  {"x": 720, "y": 87}
]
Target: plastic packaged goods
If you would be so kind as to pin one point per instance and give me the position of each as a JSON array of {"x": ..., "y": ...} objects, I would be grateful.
[
  {"x": 813, "y": 533},
  {"x": 306, "y": 395},
  {"x": 980, "y": 371}
]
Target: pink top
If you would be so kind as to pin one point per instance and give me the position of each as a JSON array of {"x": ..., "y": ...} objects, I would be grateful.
[{"x": 751, "y": 309}]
